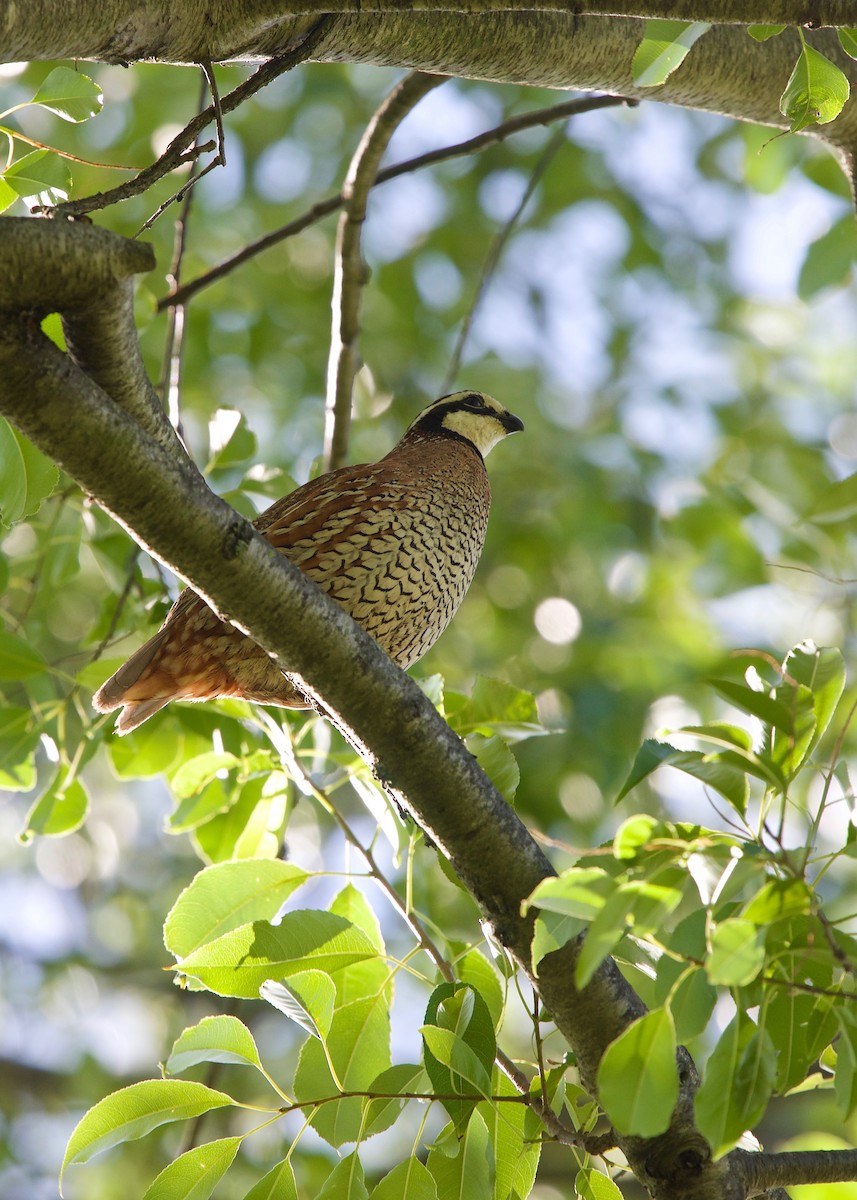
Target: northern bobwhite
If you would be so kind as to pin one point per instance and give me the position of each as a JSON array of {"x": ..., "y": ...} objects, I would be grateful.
[{"x": 395, "y": 542}]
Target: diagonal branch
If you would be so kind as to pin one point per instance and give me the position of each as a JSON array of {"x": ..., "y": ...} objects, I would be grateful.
[
  {"x": 350, "y": 272},
  {"x": 497, "y": 247},
  {"x": 323, "y": 208}
]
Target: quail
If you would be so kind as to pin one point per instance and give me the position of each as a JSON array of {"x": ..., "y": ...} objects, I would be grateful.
[{"x": 394, "y": 542}]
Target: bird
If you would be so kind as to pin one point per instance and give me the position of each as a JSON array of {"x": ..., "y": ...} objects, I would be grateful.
[{"x": 395, "y": 543}]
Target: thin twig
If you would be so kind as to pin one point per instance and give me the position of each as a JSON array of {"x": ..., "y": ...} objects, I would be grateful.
[
  {"x": 496, "y": 250},
  {"x": 177, "y": 152},
  {"x": 170, "y": 381},
  {"x": 323, "y": 208},
  {"x": 130, "y": 575},
  {"x": 208, "y": 71},
  {"x": 350, "y": 272}
]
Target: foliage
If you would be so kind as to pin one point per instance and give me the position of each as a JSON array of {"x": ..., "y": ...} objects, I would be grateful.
[{"x": 679, "y": 495}]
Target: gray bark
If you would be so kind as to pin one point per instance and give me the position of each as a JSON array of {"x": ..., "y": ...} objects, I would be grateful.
[{"x": 557, "y": 45}]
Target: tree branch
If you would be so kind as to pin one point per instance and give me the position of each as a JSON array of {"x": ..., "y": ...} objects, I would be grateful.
[
  {"x": 182, "y": 149},
  {"x": 323, "y": 208},
  {"x": 562, "y": 46},
  {"x": 350, "y": 270},
  {"x": 495, "y": 251},
  {"x": 762, "y": 1172},
  {"x": 231, "y": 29}
]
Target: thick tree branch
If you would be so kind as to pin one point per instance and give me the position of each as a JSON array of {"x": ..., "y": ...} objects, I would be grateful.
[
  {"x": 195, "y": 32},
  {"x": 350, "y": 270},
  {"x": 562, "y": 47},
  {"x": 764, "y": 1171}
]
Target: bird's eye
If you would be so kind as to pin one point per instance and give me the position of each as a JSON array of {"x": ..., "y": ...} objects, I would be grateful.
[{"x": 475, "y": 402}]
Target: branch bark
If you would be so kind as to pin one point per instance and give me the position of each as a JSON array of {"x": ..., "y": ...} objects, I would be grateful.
[{"x": 565, "y": 44}]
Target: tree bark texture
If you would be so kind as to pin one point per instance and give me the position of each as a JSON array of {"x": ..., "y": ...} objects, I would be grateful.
[{"x": 563, "y": 45}]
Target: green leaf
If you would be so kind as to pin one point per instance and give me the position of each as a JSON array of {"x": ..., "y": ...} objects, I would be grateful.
[
  {"x": 739, "y": 1078},
  {"x": 69, "y": 94},
  {"x": 766, "y": 707},
  {"x": 552, "y": 932},
  {"x": 737, "y": 953},
  {"x": 761, "y": 33},
  {"x": 381, "y": 1113},
  {"x": 848, "y": 41},
  {"x": 691, "y": 1000},
  {"x": 590, "y": 1184},
  {"x": 510, "y": 1129},
  {"x": 240, "y": 961},
  {"x": 664, "y": 47},
  {"x": 494, "y": 708},
  {"x": 359, "y": 1047},
  {"x": 220, "y": 1039},
  {"x": 37, "y": 172},
  {"x": 790, "y": 747},
  {"x": 829, "y": 260},
  {"x": 60, "y": 809},
  {"x": 459, "y": 1015},
  {"x": 195, "y": 1174},
  {"x": 845, "y": 1079},
  {"x": 636, "y": 906},
  {"x": 470, "y": 1173},
  {"x": 497, "y": 761},
  {"x": 27, "y": 478},
  {"x": 193, "y": 774},
  {"x": 816, "y": 91},
  {"x": 19, "y": 737},
  {"x": 473, "y": 968},
  {"x": 578, "y": 892},
  {"x": 278, "y": 1184},
  {"x": 345, "y": 1182},
  {"x": 372, "y": 976},
  {"x": 230, "y": 440},
  {"x": 453, "y": 1053},
  {"x": 135, "y": 1111},
  {"x": 17, "y": 659},
  {"x": 8, "y": 196},
  {"x": 408, "y": 1180},
  {"x": 800, "y": 1027},
  {"x": 777, "y": 900},
  {"x": 822, "y": 671},
  {"x": 226, "y": 896},
  {"x": 633, "y": 835},
  {"x": 638, "y": 1076},
  {"x": 306, "y": 998}
]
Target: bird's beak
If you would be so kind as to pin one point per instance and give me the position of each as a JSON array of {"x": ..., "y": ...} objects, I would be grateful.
[{"x": 510, "y": 422}]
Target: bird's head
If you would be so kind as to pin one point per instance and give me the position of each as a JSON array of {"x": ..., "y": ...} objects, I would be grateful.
[{"x": 473, "y": 416}]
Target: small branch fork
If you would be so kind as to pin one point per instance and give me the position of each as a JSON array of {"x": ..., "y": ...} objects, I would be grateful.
[
  {"x": 182, "y": 149},
  {"x": 350, "y": 272}
]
